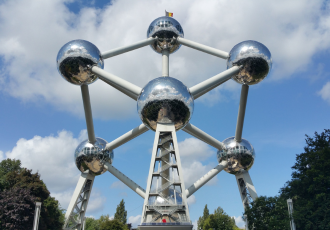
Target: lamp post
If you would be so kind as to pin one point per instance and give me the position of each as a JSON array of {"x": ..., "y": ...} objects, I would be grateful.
[
  {"x": 290, "y": 209},
  {"x": 36, "y": 216}
]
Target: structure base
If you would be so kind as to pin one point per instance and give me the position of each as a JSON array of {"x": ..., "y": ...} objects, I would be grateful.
[{"x": 166, "y": 226}]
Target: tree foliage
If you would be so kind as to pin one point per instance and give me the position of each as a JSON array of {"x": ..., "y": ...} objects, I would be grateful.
[
  {"x": 16, "y": 211},
  {"x": 112, "y": 225},
  {"x": 218, "y": 220},
  {"x": 309, "y": 187},
  {"x": 121, "y": 213},
  {"x": 104, "y": 223},
  {"x": 16, "y": 182},
  {"x": 200, "y": 222},
  {"x": 268, "y": 213}
]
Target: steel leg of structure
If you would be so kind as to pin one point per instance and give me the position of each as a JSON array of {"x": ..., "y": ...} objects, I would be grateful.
[
  {"x": 241, "y": 113},
  {"x": 162, "y": 208},
  {"x": 127, "y": 137},
  {"x": 76, "y": 211},
  {"x": 204, "y": 179},
  {"x": 131, "y": 184},
  {"x": 88, "y": 113},
  {"x": 122, "y": 85},
  {"x": 246, "y": 187},
  {"x": 209, "y": 84},
  {"x": 128, "y": 48},
  {"x": 165, "y": 62},
  {"x": 203, "y": 48},
  {"x": 196, "y": 132}
]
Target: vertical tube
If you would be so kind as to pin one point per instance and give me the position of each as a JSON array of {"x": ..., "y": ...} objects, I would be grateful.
[
  {"x": 165, "y": 65},
  {"x": 241, "y": 112},
  {"x": 36, "y": 216},
  {"x": 88, "y": 113},
  {"x": 290, "y": 208}
]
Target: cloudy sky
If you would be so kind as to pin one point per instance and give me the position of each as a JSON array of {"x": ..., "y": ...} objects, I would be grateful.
[{"x": 42, "y": 119}]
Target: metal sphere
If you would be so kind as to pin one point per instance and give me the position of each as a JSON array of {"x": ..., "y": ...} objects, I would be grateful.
[
  {"x": 73, "y": 61},
  {"x": 165, "y": 100},
  {"x": 255, "y": 59},
  {"x": 240, "y": 155},
  {"x": 166, "y": 29},
  {"x": 92, "y": 156}
]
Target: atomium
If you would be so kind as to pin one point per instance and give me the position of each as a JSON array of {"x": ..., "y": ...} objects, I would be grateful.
[
  {"x": 164, "y": 105},
  {"x": 75, "y": 58},
  {"x": 92, "y": 157},
  {"x": 239, "y": 155},
  {"x": 255, "y": 61},
  {"x": 165, "y": 100},
  {"x": 166, "y": 29}
]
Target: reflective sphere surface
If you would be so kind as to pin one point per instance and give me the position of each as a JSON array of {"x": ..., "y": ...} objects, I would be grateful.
[
  {"x": 255, "y": 59},
  {"x": 92, "y": 156},
  {"x": 240, "y": 156},
  {"x": 165, "y": 28},
  {"x": 73, "y": 60},
  {"x": 165, "y": 100}
]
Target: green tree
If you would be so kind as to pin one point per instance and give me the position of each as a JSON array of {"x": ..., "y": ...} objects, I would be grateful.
[
  {"x": 16, "y": 209},
  {"x": 112, "y": 225},
  {"x": 6, "y": 166},
  {"x": 15, "y": 178},
  {"x": 219, "y": 220},
  {"x": 121, "y": 213},
  {"x": 310, "y": 184},
  {"x": 268, "y": 213},
  {"x": 92, "y": 224},
  {"x": 200, "y": 222}
]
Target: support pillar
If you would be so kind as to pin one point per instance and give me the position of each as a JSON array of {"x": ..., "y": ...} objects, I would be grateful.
[
  {"x": 246, "y": 190},
  {"x": 165, "y": 205},
  {"x": 76, "y": 211}
]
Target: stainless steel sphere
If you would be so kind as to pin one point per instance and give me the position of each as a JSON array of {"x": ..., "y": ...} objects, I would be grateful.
[
  {"x": 255, "y": 59},
  {"x": 73, "y": 60},
  {"x": 92, "y": 156},
  {"x": 166, "y": 29},
  {"x": 165, "y": 100},
  {"x": 240, "y": 155}
]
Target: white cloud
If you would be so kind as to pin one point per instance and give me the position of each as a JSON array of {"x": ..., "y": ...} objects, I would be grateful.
[
  {"x": 29, "y": 44},
  {"x": 239, "y": 221},
  {"x": 191, "y": 200},
  {"x": 134, "y": 220},
  {"x": 118, "y": 184},
  {"x": 52, "y": 157},
  {"x": 195, "y": 225},
  {"x": 96, "y": 202},
  {"x": 193, "y": 152},
  {"x": 1, "y": 156},
  {"x": 325, "y": 92}
]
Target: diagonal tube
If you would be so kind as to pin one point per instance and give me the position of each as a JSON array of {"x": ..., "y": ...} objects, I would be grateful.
[
  {"x": 209, "y": 84},
  {"x": 196, "y": 132},
  {"x": 122, "y": 85},
  {"x": 88, "y": 113},
  {"x": 204, "y": 179},
  {"x": 241, "y": 113},
  {"x": 124, "y": 49},
  {"x": 127, "y": 137},
  {"x": 136, "y": 188},
  {"x": 203, "y": 48}
]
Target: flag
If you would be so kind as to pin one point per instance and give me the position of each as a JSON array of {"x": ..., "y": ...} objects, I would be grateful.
[{"x": 168, "y": 14}]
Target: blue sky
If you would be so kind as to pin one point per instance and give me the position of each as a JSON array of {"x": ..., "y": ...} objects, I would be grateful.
[{"x": 42, "y": 118}]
